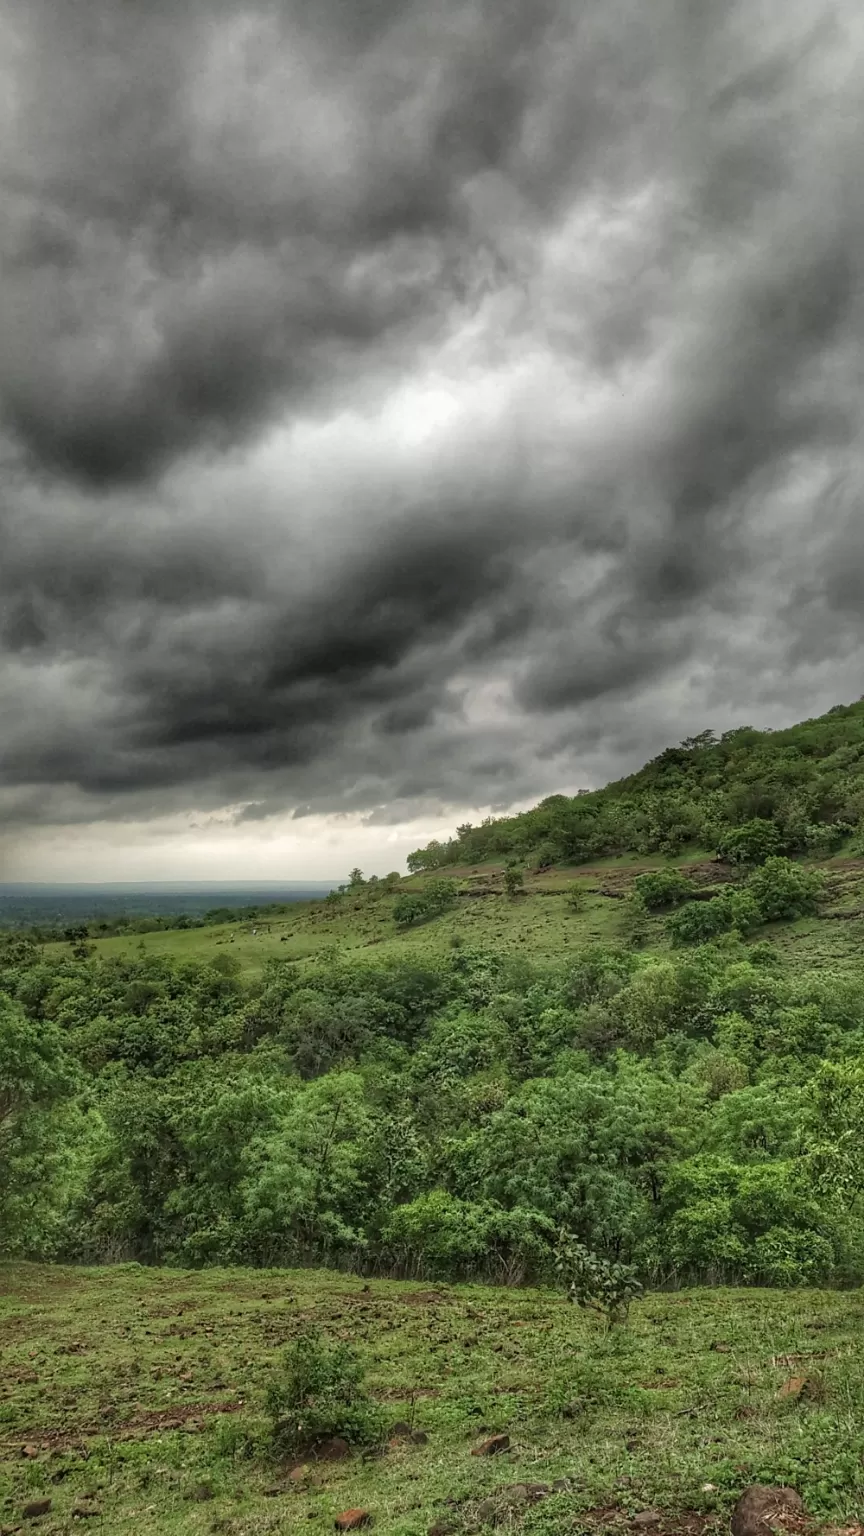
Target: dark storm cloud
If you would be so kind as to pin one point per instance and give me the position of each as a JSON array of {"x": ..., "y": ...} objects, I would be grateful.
[{"x": 419, "y": 405}]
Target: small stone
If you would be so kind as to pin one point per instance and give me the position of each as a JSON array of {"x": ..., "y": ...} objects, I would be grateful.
[
  {"x": 297, "y": 1474},
  {"x": 646, "y": 1518},
  {"x": 84, "y": 1510},
  {"x": 30, "y": 1452},
  {"x": 762, "y": 1510},
  {"x": 36, "y": 1508},
  {"x": 352, "y": 1519},
  {"x": 333, "y": 1450},
  {"x": 721, "y": 1348},
  {"x": 493, "y": 1446}
]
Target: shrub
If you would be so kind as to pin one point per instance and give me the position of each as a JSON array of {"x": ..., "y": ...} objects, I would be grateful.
[
  {"x": 699, "y": 922},
  {"x": 594, "y": 1282},
  {"x": 663, "y": 888},
  {"x": 514, "y": 879},
  {"x": 784, "y": 890},
  {"x": 576, "y": 897},
  {"x": 420, "y": 906},
  {"x": 318, "y": 1394},
  {"x": 752, "y": 843}
]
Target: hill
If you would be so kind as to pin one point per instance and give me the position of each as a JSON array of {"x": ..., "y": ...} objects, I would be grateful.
[
  {"x": 806, "y": 783},
  {"x": 476, "y": 1086}
]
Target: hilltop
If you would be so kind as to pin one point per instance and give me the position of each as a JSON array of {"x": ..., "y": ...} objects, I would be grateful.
[{"x": 806, "y": 782}]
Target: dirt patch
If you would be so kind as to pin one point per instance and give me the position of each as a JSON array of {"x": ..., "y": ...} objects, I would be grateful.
[
  {"x": 670, "y": 1522},
  {"x": 425, "y": 1298},
  {"x": 151, "y": 1422}
]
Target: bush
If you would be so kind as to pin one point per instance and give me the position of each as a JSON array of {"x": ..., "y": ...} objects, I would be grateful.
[
  {"x": 752, "y": 843},
  {"x": 785, "y": 890},
  {"x": 576, "y": 897},
  {"x": 594, "y": 1282},
  {"x": 663, "y": 888},
  {"x": 420, "y": 906},
  {"x": 320, "y": 1394},
  {"x": 699, "y": 922}
]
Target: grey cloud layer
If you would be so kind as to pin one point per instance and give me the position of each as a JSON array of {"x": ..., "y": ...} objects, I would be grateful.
[{"x": 247, "y": 254}]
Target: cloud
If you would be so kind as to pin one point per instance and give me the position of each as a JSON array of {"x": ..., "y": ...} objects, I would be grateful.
[{"x": 411, "y": 408}]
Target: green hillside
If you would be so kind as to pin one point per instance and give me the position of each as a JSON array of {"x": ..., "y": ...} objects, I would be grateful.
[
  {"x": 806, "y": 782},
  {"x": 462, "y": 1094}
]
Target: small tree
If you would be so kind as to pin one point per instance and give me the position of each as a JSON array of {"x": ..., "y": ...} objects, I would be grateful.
[
  {"x": 320, "y": 1393},
  {"x": 784, "y": 889},
  {"x": 598, "y": 1284},
  {"x": 663, "y": 888},
  {"x": 355, "y": 879},
  {"x": 576, "y": 897},
  {"x": 514, "y": 879},
  {"x": 752, "y": 843}
]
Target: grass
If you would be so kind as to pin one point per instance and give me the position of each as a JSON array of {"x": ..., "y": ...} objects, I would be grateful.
[
  {"x": 140, "y": 1390},
  {"x": 539, "y": 922}
]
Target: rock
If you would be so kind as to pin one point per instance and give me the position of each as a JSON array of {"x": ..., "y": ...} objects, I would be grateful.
[
  {"x": 84, "y": 1510},
  {"x": 761, "y": 1510},
  {"x": 297, "y": 1474},
  {"x": 419, "y": 1437},
  {"x": 493, "y": 1446},
  {"x": 352, "y": 1519},
  {"x": 792, "y": 1388},
  {"x": 562, "y": 1485},
  {"x": 36, "y": 1508},
  {"x": 333, "y": 1450},
  {"x": 30, "y": 1452},
  {"x": 722, "y": 1348},
  {"x": 646, "y": 1518},
  {"x": 441, "y": 1528}
]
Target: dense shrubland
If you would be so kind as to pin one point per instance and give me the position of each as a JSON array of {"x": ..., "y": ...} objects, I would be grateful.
[
  {"x": 746, "y": 794},
  {"x": 694, "y": 1114}
]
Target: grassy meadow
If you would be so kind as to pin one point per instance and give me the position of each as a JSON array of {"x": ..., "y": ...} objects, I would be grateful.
[{"x": 134, "y": 1396}]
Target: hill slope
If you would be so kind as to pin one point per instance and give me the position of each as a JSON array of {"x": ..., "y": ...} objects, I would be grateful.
[{"x": 807, "y": 781}]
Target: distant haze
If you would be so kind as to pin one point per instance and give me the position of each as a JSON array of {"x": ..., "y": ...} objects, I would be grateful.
[{"x": 409, "y": 410}]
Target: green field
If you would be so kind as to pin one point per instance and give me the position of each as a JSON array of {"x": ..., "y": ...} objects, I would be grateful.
[
  {"x": 538, "y": 923},
  {"x": 138, "y": 1393}
]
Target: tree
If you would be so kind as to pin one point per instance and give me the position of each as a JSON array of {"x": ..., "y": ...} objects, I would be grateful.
[
  {"x": 514, "y": 879},
  {"x": 784, "y": 889},
  {"x": 752, "y": 843},
  {"x": 355, "y": 879}
]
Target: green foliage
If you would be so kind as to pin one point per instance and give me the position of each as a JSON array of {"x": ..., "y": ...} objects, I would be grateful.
[
  {"x": 436, "y": 897},
  {"x": 699, "y": 922},
  {"x": 663, "y": 888},
  {"x": 752, "y": 843},
  {"x": 319, "y": 1393},
  {"x": 576, "y": 897},
  {"x": 514, "y": 880},
  {"x": 597, "y": 1283},
  {"x": 785, "y": 890}
]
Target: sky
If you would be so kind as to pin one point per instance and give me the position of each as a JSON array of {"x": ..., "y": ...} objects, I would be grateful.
[{"x": 411, "y": 410}]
